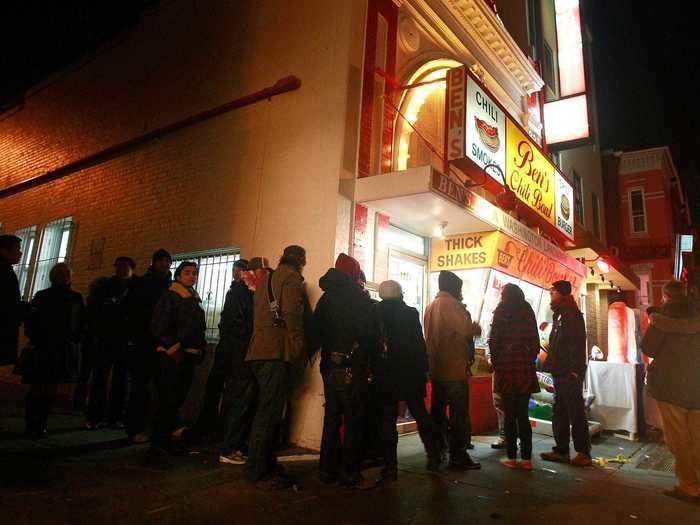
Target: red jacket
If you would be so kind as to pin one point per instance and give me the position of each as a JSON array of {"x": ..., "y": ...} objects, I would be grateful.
[{"x": 514, "y": 344}]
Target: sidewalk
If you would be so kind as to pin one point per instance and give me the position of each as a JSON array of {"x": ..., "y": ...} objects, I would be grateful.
[{"x": 101, "y": 480}]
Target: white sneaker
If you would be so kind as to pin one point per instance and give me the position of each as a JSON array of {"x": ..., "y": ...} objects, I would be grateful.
[{"x": 235, "y": 458}]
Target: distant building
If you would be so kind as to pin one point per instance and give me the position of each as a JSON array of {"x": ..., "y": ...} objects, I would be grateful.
[{"x": 651, "y": 226}]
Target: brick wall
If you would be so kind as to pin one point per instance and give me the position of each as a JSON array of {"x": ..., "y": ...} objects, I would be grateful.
[{"x": 258, "y": 178}]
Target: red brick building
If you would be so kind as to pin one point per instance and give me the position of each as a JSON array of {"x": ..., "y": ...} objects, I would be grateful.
[{"x": 647, "y": 212}]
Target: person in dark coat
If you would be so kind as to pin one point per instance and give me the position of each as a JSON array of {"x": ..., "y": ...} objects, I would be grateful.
[
  {"x": 566, "y": 361},
  {"x": 236, "y": 329},
  {"x": 55, "y": 329},
  {"x": 108, "y": 327},
  {"x": 179, "y": 328},
  {"x": 142, "y": 359},
  {"x": 238, "y": 304},
  {"x": 12, "y": 309},
  {"x": 399, "y": 363},
  {"x": 340, "y": 317},
  {"x": 514, "y": 344}
]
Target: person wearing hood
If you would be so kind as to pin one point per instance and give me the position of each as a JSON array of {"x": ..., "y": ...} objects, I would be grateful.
[
  {"x": 109, "y": 336},
  {"x": 179, "y": 328},
  {"x": 514, "y": 344},
  {"x": 673, "y": 341},
  {"x": 566, "y": 361},
  {"x": 399, "y": 363},
  {"x": 142, "y": 359},
  {"x": 340, "y": 318},
  {"x": 449, "y": 333},
  {"x": 277, "y": 344},
  {"x": 55, "y": 329}
]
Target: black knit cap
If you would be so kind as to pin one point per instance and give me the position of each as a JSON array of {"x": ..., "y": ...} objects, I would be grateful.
[
  {"x": 295, "y": 253},
  {"x": 449, "y": 282},
  {"x": 563, "y": 287},
  {"x": 161, "y": 254}
]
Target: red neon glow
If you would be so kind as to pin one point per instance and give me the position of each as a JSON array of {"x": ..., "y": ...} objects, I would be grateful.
[
  {"x": 603, "y": 266},
  {"x": 572, "y": 78},
  {"x": 566, "y": 120}
]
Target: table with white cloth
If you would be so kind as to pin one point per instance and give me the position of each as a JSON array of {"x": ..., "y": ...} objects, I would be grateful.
[{"x": 616, "y": 392}]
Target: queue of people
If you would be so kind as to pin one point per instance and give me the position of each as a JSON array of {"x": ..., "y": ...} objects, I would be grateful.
[{"x": 374, "y": 355}]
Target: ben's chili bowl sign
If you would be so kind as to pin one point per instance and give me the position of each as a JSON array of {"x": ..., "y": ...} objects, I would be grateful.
[{"x": 529, "y": 174}]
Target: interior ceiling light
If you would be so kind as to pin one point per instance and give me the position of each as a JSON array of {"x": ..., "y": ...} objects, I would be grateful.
[{"x": 440, "y": 230}]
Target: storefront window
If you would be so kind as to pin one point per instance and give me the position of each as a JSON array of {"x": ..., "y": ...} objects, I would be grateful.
[
  {"x": 422, "y": 118},
  {"x": 409, "y": 272},
  {"x": 472, "y": 288}
]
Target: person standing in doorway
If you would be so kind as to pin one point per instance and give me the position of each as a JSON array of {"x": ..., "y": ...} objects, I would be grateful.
[
  {"x": 277, "y": 343},
  {"x": 340, "y": 317},
  {"x": 566, "y": 361},
  {"x": 448, "y": 332},
  {"x": 514, "y": 344},
  {"x": 400, "y": 366},
  {"x": 109, "y": 331},
  {"x": 673, "y": 341},
  {"x": 179, "y": 327},
  {"x": 143, "y": 359}
]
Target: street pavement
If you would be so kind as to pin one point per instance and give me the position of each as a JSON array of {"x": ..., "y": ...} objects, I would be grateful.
[{"x": 78, "y": 476}]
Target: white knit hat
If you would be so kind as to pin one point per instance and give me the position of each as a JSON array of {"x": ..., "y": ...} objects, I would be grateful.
[{"x": 390, "y": 290}]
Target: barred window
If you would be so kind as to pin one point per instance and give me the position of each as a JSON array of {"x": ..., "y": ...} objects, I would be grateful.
[
  {"x": 214, "y": 280},
  {"x": 23, "y": 269},
  {"x": 54, "y": 248}
]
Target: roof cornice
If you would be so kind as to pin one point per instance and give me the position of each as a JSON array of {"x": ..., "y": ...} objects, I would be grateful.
[{"x": 486, "y": 32}]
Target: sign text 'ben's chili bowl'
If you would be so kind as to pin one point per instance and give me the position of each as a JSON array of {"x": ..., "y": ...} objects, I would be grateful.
[{"x": 481, "y": 138}]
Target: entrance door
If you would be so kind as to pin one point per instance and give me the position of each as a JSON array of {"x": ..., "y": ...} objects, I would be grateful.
[{"x": 410, "y": 272}]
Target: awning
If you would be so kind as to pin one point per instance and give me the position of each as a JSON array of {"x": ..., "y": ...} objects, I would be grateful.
[
  {"x": 421, "y": 199},
  {"x": 592, "y": 250}
]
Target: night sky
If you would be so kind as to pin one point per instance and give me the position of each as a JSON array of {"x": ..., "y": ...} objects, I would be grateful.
[
  {"x": 645, "y": 59},
  {"x": 646, "y": 63}
]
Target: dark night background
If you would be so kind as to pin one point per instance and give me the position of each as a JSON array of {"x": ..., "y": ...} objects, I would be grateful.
[{"x": 645, "y": 59}]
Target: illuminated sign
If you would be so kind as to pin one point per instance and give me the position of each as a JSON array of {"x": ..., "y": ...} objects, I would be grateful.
[
  {"x": 460, "y": 252},
  {"x": 564, "y": 203},
  {"x": 481, "y": 139},
  {"x": 566, "y": 119},
  {"x": 456, "y": 107},
  {"x": 497, "y": 250},
  {"x": 529, "y": 173},
  {"x": 572, "y": 77},
  {"x": 485, "y": 130}
]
